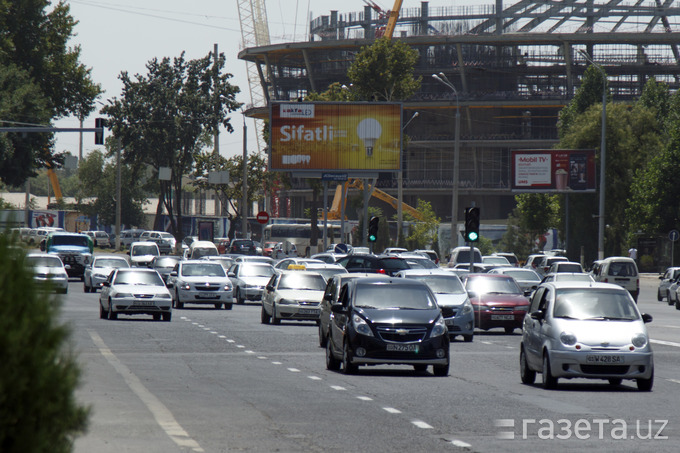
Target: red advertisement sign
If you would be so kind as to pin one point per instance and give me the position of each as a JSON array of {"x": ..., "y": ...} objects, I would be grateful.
[{"x": 553, "y": 170}]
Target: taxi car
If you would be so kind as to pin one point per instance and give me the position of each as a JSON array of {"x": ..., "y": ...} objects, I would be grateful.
[{"x": 292, "y": 295}]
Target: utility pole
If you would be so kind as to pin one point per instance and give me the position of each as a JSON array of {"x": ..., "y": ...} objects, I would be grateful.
[{"x": 244, "y": 186}]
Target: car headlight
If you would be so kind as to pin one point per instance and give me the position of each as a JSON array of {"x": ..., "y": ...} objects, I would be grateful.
[
  {"x": 122, "y": 295},
  {"x": 185, "y": 286},
  {"x": 439, "y": 328},
  {"x": 522, "y": 308},
  {"x": 639, "y": 340},
  {"x": 568, "y": 338},
  {"x": 361, "y": 326},
  {"x": 98, "y": 275},
  {"x": 163, "y": 296},
  {"x": 466, "y": 309},
  {"x": 227, "y": 288},
  {"x": 480, "y": 307},
  {"x": 287, "y": 302}
]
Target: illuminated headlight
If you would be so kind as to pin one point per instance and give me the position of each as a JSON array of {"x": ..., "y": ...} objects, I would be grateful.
[
  {"x": 639, "y": 340},
  {"x": 163, "y": 296},
  {"x": 568, "y": 338},
  {"x": 185, "y": 287},
  {"x": 122, "y": 295},
  {"x": 466, "y": 308},
  {"x": 227, "y": 288},
  {"x": 287, "y": 302},
  {"x": 361, "y": 326},
  {"x": 439, "y": 328}
]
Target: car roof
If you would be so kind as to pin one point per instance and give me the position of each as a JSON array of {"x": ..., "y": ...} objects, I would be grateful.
[
  {"x": 426, "y": 272},
  {"x": 392, "y": 281},
  {"x": 582, "y": 285}
]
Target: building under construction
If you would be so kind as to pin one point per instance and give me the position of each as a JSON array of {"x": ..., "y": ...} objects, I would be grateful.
[{"x": 514, "y": 68}]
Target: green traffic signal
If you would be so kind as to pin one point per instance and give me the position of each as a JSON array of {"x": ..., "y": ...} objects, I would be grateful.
[{"x": 472, "y": 236}]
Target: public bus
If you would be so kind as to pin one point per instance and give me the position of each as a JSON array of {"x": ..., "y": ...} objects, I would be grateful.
[{"x": 299, "y": 234}]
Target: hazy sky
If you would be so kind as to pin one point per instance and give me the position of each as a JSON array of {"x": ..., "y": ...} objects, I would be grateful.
[{"x": 124, "y": 35}]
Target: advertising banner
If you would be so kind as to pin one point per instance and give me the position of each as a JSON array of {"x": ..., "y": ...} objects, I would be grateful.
[
  {"x": 335, "y": 136},
  {"x": 553, "y": 170}
]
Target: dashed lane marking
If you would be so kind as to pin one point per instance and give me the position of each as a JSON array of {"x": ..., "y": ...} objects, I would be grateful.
[{"x": 392, "y": 410}]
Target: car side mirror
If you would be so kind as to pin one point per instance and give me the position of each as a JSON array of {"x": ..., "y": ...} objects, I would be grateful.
[
  {"x": 538, "y": 315},
  {"x": 338, "y": 308},
  {"x": 646, "y": 318},
  {"x": 270, "y": 288},
  {"x": 472, "y": 294},
  {"x": 528, "y": 292},
  {"x": 67, "y": 267},
  {"x": 173, "y": 274},
  {"x": 660, "y": 277},
  {"x": 231, "y": 274},
  {"x": 106, "y": 284}
]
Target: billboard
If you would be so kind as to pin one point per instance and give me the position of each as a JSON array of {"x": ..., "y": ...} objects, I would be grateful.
[
  {"x": 553, "y": 170},
  {"x": 335, "y": 136}
]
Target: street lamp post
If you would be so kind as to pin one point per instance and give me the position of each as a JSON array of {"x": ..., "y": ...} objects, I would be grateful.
[
  {"x": 400, "y": 187},
  {"x": 441, "y": 77},
  {"x": 603, "y": 158}
]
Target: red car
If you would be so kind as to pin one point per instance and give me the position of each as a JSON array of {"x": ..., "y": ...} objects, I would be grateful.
[
  {"x": 268, "y": 247},
  {"x": 497, "y": 300}
]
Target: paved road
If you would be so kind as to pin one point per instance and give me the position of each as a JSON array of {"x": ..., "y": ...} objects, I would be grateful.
[{"x": 218, "y": 381}]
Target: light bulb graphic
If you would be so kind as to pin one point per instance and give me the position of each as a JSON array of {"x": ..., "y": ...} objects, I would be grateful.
[{"x": 369, "y": 131}]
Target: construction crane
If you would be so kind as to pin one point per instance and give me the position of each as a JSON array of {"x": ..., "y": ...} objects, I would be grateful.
[
  {"x": 391, "y": 16},
  {"x": 335, "y": 212},
  {"x": 52, "y": 175}
]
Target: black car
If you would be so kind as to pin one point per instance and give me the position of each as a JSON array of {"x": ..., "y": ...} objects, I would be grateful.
[
  {"x": 243, "y": 247},
  {"x": 380, "y": 264},
  {"x": 393, "y": 321}
]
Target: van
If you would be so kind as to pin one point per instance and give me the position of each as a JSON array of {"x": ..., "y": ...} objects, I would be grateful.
[
  {"x": 199, "y": 249},
  {"x": 621, "y": 271},
  {"x": 461, "y": 255},
  {"x": 143, "y": 253}
]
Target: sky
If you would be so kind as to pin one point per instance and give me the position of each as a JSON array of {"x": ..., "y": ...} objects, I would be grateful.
[{"x": 123, "y": 35}]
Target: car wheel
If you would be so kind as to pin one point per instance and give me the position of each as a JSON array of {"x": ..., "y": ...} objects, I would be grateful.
[
  {"x": 677, "y": 305},
  {"x": 239, "y": 300},
  {"x": 85, "y": 287},
  {"x": 549, "y": 381},
  {"x": 228, "y": 306},
  {"x": 332, "y": 363},
  {"x": 112, "y": 315},
  {"x": 615, "y": 381},
  {"x": 218, "y": 306},
  {"x": 156, "y": 316},
  {"x": 670, "y": 301},
  {"x": 82, "y": 278},
  {"x": 468, "y": 338},
  {"x": 264, "y": 317},
  {"x": 178, "y": 304},
  {"x": 441, "y": 370},
  {"x": 103, "y": 314},
  {"x": 509, "y": 330},
  {"x": 659, "y": 297},
  {"x": 420, "y": 368},
  {"x": 347, "y": 366},
  {"x": 322, "y": 337},
  {"x": 645, "y": 385},
  {"x": 275, "y": 320},
  {"x": 527, "y": 375}
]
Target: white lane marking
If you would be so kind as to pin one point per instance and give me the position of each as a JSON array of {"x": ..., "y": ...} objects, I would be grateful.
[
  {"x": 194, "y": 323},
  {"x": 261, "y": 357},
  {"x": 365, "y": 398},
  {"x": 673, "y": 380},
  {"x": 486, "y": 342},
  {"x": 250, "y": 352},
  {"x": 231, "y": 341},
  {"x": 213, "y": 332},
  {"x": 666, "y": 343},
  {"x": 392, "y": 410},
  {"x": 160, "y": 412},
  {"x": 240, "y": 346},
  {"x": 277, "y": 363},
  {"x": 222, "y": 337},
  {"x": 200, "y": 325},
  {"x": 314, "y": 378},
  {"x": 293, "y": 370},
  {"x": 421, "y": 424},
  {"x": 460, "y": 443},
  {"x": 670, "y": 327},
  {"x": 338, "y": 388}
]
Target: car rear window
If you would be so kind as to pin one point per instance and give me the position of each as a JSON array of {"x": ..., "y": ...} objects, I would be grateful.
[
  {"x": 622, "y": 269},
  {"x": 393, "y": 264}
]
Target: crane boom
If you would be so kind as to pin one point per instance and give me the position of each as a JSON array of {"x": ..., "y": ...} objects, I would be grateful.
[
  {"x": 392, "y": 21},
  {"x": 334, "y": 212}
]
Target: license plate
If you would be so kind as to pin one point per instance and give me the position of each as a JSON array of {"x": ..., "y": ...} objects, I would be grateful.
[
  {"x": 449, "y": 322},
  {"x": 308, "y": 311},
  {"x": 207, "y": 296},
  {"x": 502, "y": 317},
  {"x": 144, "y": 303},
  {"x": 402, "y": 347},
  {"x": 606, "y": 359}
]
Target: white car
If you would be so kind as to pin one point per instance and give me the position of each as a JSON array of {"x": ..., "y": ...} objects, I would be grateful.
[
  {"x": 135, "y": 291},
  {"x": 143, "y": 253},
  {"x": 200, "y": 282},
  {"x": 48, "y": 271},
  {"x": 284, "y": 264},
  {"x": 294, "y": 296},
  {"x": 100, "y": 238},
  {"x": 249, "y": 280},
  {"x": 99, "y": 270}
]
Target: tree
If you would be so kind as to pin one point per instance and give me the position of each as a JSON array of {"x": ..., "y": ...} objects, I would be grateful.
[
  {"x": 47, "y": 82},
  {"x": 38, "y": 408},
  {"x": 165, "y": 119},
  {"x": 422, "y": 232}
]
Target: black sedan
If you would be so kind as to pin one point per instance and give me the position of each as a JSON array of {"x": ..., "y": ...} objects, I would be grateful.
[{"x": 381, "y": 264}]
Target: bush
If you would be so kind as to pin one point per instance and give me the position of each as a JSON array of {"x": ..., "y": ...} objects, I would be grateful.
[{"x": 38, "y": 410}]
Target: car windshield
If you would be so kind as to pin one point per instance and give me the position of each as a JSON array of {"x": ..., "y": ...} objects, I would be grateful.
[
  {"x": 256, "y": 271},
  {"x": 44, "y": 261},
  {"x": 165, "y": 262},
  {"x": 81, "y": 241},
  {"x": 393, "y": 264},
  {"x": 166, "y": 235},
  {"x": 594, "y": 304},
  {"x": 138, "y": 278},
  {"x": 417, "y": 263},
  {"x": 568, "y": 267},
  {"x": 111, "y": 262},
  {"x": 494, "y": 260},
  {"x": 441, "y": 284},
  {"x": 489, "y": 285},
  {"x": 573, "y": 277},
  {"x": 302, "y": 280},
  {"x": 397, "y": 297},
  {"x": 523, "y": 275},
  {"x": 141, "y": 250},
  {"x": 203, "y": 270}
]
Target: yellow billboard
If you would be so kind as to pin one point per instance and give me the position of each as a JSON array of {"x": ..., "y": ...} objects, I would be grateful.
[{"x": 335, "y": 136}]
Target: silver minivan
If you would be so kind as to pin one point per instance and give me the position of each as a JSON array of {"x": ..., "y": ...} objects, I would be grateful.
[{"x": 621, "y": 271}]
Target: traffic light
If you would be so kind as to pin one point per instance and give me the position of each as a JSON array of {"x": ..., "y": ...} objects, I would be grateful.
[
  {"x": 373, "y": 229},
  {"x": 472, "y": 224},
  {"x": 99, "y": 136}
]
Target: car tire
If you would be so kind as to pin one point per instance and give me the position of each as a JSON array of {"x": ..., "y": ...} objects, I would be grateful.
[
  {"x": 420, "y": 368},
  {"x": 111, "y": 315},
  {"x": 167, "y": 316},
  {"x": 670, "y": 301},
  {"x": 549, "y": 381},
  {"x": 677, "y": 305},
  {"x": 659, "y": 297},
  {"x": 156, "y": 316},
  {"x": 441, "y": 370},
  {"x": 103, "y": 314},
  {"x": 332, "y": 363},
  {"x": 509, "y": 330},
  {"x": 85, "y": 287},
  {"x": 228, "y": 306},
  {"x": 276, "y": 321},
  {"x": 615, "y": 381},
  {"x": 322, "y": 337},
  {"x": 347, "y": 366},
  {"x": 239, "y": 300},
  {"x": 178, "y": 304},
  {"x": 264, "y": 317},
  {"x": 218, "y": 306},
  {"x": 645, "y": 385},
  {"x": 468, "y": 338},
  {"x": 527, "y": 375}
]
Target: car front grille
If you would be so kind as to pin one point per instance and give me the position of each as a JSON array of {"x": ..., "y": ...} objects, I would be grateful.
[
  {"x": 605, "y": 369},
  {"x": 213, "y": 287},
  {"x": 402, "y": 334},
  {"x": 308, "y": 303},
  {"x": 143, "y": 296},
  {"x": 449, "y": 312}
]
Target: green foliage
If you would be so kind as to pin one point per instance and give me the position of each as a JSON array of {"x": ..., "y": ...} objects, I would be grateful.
[
  {"x": 38, "y": 408},
  {"x": 485, "y": 246},
  {"x": 588, "y": 94},
  {"x": 537, "y": 213},
  {"x": 422, "y": 232},
  {"x": 516, "y": 240},
  {"x": 383, "y": 71}
]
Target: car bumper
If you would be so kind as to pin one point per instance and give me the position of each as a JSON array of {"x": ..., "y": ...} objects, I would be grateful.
[
  {"x": 142, "y": 306},
  {"x": 574, "y": 364},
  {"x": 461, "y": 325},
  {"x": 299, "y": 312},
  {"x": 206, "y": 297},
  {"x": 372, "y": 351},
  {"x": 57, "y": 284},
  {"x": 486, "y": 320},
  {"x": 252, "y": 293}
]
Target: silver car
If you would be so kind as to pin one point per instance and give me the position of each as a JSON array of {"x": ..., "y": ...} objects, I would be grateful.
[
  {"x": 527, "y": 279},
  {"x": 249, "y": 280},
  {"x": 294, "y": 296},
  {"x": 585, "y": 330},
  {"x": 135, "y": 291},
  {"x": 200, "y": 282},
  {"x": 667, "y": 278},
  {"x": 48, "y": 271},
  {"x": 99, "y": 270}
]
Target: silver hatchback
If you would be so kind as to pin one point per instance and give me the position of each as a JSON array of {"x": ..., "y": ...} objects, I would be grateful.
[{"x": 585, "y": 330}]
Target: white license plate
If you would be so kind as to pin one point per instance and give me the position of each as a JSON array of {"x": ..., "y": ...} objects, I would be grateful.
[
  {"x": 605, "y": 359},
  {"x": 207, "y": 295},
  {"x": 144, "y": 303},
  {"x": 502, "y": 317},
  {"x": 308, "y": 311},
  {"x": 449, "y": 322},
  {"x": 402, "y": 347}
]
